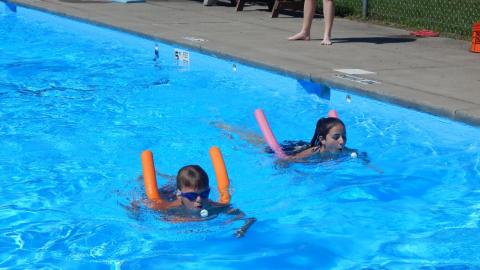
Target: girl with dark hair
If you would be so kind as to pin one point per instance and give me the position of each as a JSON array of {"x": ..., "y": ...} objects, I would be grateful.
[
  {"x": 330, "y": 137},
  {"x": 328, "y": 142}
]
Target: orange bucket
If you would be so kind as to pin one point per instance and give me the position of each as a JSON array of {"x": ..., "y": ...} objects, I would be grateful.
[{"x": 475, "y": 38}]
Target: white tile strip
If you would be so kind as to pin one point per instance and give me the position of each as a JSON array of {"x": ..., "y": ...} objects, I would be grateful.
[
  {"x": 354, "y": 71},
  {"x": 356, "y": 79},
  {"x": 194, "y": 39}
]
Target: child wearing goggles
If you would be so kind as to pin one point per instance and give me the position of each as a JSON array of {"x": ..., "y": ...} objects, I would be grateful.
[
  {"x": 191, "y": 200},
  {"x": 193, "y": 188}
]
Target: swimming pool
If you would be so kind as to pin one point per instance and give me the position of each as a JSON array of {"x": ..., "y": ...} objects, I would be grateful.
[{"x": 78, "y": 107}]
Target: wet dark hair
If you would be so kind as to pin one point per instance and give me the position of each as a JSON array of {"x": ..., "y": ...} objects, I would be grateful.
[
  {"x": 323, "y": 127},
  {"x": 192, "y": 176}
]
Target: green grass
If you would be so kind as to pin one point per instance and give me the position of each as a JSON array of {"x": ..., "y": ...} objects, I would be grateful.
[{"x": 452, "y": 18}]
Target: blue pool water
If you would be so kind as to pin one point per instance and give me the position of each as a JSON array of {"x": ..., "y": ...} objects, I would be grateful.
[{"x": 79, "y": 103}]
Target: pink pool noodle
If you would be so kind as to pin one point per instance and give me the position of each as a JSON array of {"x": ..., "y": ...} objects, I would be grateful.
[
  {"x": 267, "y": 134},
  {"x": 332, "y": 113}
]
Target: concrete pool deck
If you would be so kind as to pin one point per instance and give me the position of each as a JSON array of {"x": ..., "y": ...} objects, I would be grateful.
[{"x": 435, "y": 75}]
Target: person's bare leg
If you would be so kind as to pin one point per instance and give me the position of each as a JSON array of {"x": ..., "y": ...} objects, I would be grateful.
[
  {"x": 328, "y": 15},
  {"x": 249, "y": 136},
  {"x": 308, "y": 13}
]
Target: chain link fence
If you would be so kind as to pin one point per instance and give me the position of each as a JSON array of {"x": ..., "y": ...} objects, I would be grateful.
[{"x": 452, "y": 18}]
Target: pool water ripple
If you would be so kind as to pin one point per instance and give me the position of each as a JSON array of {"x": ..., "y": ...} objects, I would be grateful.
[{"x": 77, "y": 108}]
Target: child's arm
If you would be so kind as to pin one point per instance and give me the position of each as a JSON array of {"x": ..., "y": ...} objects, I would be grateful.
[
  {"x": 302, "y": 155},
  {"x": 248, "y": 136},
  {"x": 243, "y": 230},
  {"x": 166, "y": 176},
  {"x": 363, "y": 156},
  {"x": 238, "y": 216},
  {"x": 373, "y": 167},
  {"x": 161, "y": 204},
  {"x": 133, "y": 210}
]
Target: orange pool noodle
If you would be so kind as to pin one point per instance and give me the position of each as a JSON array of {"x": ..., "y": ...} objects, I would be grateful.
[
  {"x": 149, "y": 178},
  {"x": 223, "y": 183}
]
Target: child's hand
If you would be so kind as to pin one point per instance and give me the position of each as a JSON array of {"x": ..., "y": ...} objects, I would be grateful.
[
  {"x": 241, "y": 232},
  {"x": 133, "y": 209}
]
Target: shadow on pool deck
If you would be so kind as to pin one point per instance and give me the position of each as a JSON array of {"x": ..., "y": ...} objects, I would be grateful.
[
  {"x": 375, "y": 40},
  {"x": 435, "y": 75}
]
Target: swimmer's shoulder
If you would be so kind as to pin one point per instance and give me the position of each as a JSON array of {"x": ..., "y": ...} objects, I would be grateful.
[
  {"x": 218, "y": 205},
  {"x": 304, "y": 153},
  {"x": 219, "y": 208},
  {"x": 162, "y": 205}
]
